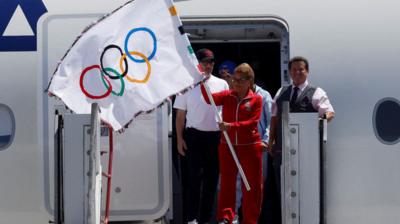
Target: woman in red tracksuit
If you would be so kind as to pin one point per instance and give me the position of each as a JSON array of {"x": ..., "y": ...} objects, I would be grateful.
[{"x": 241, "y": 109}]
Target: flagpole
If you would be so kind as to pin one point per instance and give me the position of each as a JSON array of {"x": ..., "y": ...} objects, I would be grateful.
[
  {"x": 228, "y": 141},
  {"x": 92, "y": 211}
]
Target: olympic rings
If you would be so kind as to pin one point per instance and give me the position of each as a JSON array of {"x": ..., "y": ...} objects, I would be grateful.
[
  {"x": 146, "y": 78},
  {"x": 154, "y": 43},
  {"x": 121, "y": 92},
  {"x": 101, "y": 62},
  {"x": 123, "y": 66},
  {"x": 109, "y": 89}
]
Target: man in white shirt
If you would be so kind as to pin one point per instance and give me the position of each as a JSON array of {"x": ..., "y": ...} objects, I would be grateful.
[
  {"x": 198, "y": 141},
  {"x": 302, "y": 97}
]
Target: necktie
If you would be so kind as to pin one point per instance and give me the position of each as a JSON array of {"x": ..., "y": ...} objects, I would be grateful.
[{"x": 294, "y": 97}]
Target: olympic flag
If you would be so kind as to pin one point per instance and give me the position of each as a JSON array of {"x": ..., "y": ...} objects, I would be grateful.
[{"x": 128, "y": 62}]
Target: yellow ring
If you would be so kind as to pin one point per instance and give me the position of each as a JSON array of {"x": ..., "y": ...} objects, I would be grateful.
[{"x": 146, "y": 78}]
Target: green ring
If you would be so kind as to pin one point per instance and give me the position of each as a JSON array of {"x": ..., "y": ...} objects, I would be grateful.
[{"x": 121, "y": 92}]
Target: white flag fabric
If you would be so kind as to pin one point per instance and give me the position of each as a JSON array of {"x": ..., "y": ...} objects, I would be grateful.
[{"x": 128, "y": 62}]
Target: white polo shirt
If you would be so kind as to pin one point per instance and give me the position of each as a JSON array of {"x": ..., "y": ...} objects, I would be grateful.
[{"x": 199, "y": 114}]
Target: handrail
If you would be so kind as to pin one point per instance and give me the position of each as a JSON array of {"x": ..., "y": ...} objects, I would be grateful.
[
  {"x": 109, "y": 175},
  {"x": 323, "y": 141}
]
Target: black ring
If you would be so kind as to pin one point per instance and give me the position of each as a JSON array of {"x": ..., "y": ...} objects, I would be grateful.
[{"x": 125, "y": 61}]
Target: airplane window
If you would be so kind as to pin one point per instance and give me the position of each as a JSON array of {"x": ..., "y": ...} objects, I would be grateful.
[
  {"x": 387, "y": 121},
  {"x": 7, "y": 126}
]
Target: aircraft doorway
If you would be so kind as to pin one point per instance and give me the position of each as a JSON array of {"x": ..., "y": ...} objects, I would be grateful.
[
  {"x": 263, "y": 57},
  {"x": 261, "y": 41}
]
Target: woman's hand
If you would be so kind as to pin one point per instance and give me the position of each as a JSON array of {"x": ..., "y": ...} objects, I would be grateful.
[{"x": 224, "y": 126}]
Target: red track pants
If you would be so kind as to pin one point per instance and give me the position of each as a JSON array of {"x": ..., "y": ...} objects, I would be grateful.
[{"x": 250, "y": 157}]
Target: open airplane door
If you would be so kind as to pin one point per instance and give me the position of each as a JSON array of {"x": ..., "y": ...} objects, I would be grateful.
[{"x": 262, "y": 41}]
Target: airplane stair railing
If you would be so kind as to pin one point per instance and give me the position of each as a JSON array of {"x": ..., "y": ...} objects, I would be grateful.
[
  {"x": 108, "y": 175},
  {"x": 323, "y": 130},
  {"x": 303, "y": 187}
]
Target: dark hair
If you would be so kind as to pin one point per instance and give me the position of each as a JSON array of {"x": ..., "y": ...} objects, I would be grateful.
[
  {"x": 205, "y": 54},
  {"x": 297, "y": 59}
]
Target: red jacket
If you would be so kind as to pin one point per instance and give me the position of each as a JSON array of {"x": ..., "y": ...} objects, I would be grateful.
[{"x": 243, "y": 116}]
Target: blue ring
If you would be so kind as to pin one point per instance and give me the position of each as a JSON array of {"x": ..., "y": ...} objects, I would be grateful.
[{"x": 154, "y": 44}]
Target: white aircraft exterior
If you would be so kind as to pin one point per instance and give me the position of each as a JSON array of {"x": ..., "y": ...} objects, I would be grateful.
[{"x": 354, "y": 55}]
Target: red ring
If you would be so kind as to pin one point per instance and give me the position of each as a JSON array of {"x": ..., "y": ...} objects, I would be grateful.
[{"x": 83, "y": 88}]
